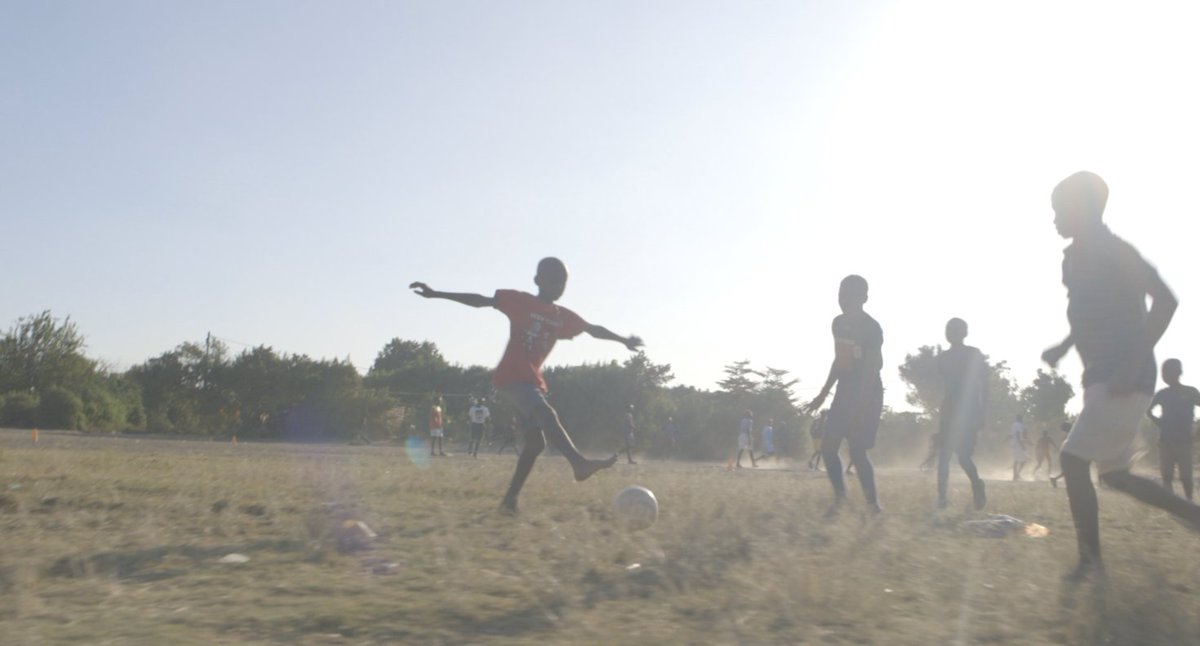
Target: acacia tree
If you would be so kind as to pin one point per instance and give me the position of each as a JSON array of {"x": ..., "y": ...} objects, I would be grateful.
[{"x": 1046, "y": 398}]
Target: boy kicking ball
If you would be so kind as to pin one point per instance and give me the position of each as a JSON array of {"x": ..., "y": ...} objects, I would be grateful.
[
  {"x": 1107, "y": 283},
  {"x": 535, "y": 324}
]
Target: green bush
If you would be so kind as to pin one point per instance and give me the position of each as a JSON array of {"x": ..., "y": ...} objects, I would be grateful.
[
  {"x": 19, "y": 410},
  {"x": 62, "y": 409}
]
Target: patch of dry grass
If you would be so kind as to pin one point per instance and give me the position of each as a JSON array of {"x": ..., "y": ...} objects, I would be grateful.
[{"x": 117, "y": 541}]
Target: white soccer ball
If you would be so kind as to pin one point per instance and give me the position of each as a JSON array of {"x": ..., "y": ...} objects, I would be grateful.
[{"x": 636, "y": 507}]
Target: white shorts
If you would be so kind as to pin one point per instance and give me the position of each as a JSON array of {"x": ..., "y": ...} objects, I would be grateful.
[
  {"x": 1018, "y": 452},
  {"x": 1106, "y": 428},
  {"x": 744, "y": 442},
  {"x": 436, "y": 432}
]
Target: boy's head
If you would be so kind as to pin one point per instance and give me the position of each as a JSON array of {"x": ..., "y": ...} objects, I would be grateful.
[
  {"x": 852, "y": 293},
  {"x": 749, "y": 413},
  {"x": 1078, "y": 202},
  {"x": 1172, "y": 370},
  {"x": 551, "y": 279},
  {"x": 956, "y": 331}
]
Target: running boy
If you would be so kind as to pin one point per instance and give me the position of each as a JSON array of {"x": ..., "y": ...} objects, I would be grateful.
[
  {"x": 965, "y": 374},
  {"x": 858, "y": 404},
  {"x": 746, "y": 439},
  {"x": 1107, "y": 282},
  {"x": 1178, "y": 403},
  {"x": 535, "y": 324}
]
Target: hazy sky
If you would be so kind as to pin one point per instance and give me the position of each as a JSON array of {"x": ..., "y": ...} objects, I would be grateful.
[{"x": 278, "y": 172}]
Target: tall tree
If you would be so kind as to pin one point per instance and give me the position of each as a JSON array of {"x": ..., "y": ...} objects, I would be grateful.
[{"x": 40, "y": 352}]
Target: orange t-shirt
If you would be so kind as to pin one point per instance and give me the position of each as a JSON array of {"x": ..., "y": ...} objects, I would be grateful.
[{"x": 534, "y": 326}]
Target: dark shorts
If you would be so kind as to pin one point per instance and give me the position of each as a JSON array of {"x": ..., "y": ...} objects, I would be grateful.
[
  {"x": 476, "y": 431},
  {"x": 854, "y": 415},
  {"x": 534, "y": 412}
]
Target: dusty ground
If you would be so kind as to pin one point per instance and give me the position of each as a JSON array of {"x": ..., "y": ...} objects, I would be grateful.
[{"x": 119, "y": 540}]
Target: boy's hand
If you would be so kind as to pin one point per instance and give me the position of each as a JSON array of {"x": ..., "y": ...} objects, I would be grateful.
[
  {"x": 812, "y": 406},
  {"x": 1055, "y": 354},
  {"x": 422, "y": 289},
  {"x": 633, "y": 343}
]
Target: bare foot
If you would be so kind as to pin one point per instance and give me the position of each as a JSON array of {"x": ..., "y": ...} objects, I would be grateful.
[{"x": 585, "y": 469}]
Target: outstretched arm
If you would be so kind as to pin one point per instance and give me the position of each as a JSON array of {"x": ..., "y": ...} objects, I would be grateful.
[
  {"x": 600, "y": 332},
  {"x": 473, "y": 300},
  {"x": 1055, "y": 354}
]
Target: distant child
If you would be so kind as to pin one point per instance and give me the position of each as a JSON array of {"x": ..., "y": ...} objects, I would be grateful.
[
  {"x": 535, "y": 324},
  {"x": 436, "y": 429},
  {"x": 1042, "y": 452},
  {"x": 1175, "y": 427},
  {"x": 1018, "y": 444},
  {"x": 965, "y": 374},
  {"x": 817, "y": 433},
  {"x": 858, "y": 404},
  {"x": 672, "y": 434},
  {"x": 746, "y": 439},
  {"x": 768, "y": 440},
  {"x": 479, "y": 415},
  {"x": 1107, "y": 284},
  {"x": 629, "y": 431}
]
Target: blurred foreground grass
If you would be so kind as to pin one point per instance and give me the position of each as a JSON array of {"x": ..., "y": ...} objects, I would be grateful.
[{"x": 116, "y": 540}]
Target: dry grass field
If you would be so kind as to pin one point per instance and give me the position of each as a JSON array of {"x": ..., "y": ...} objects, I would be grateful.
[{"x": 119, "y": 541}]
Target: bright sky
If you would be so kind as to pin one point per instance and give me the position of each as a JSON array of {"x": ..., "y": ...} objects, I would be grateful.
[{"x": 277, "y": 172}]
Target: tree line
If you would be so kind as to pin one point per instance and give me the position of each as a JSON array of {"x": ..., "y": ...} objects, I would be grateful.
[{"x": 202, "y": 388}]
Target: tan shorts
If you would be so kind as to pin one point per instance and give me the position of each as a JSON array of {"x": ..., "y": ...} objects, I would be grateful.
[{"x": 1106, "y": 428}]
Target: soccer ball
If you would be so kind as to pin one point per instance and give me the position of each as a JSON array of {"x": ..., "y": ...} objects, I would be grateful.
[{"x": 636, "y": 507}]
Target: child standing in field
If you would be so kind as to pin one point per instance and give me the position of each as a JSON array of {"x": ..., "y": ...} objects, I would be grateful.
[
  {"x": 1175, "y": 427},
  {"x": 1018, "y": 443},
  {"x": 437, "y": 430},
  {"x": 858, "y": 404},
  {"x": 535, "y": 324},
  {"x": 1107, "y": 283},
  {"x": 479, "y": 415},
  {"x": 746, "y": 439},
  {"x": 768, "y": 441},
  {"x": 965, "y": 375},
  {"x": 629, "y": 429}
]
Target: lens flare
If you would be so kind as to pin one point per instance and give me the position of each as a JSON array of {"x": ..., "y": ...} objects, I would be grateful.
[{"x": 417, "y": 450}]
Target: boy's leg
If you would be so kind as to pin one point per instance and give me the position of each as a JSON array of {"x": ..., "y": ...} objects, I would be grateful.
[
  {"x": 1166, "y": 467},
  {"x": 833, "y": 467},
  {"x": 943, "y": 473},
  {"x": 978, "y": 493},
  {"x": 544, "y": 415},
  {"x": 1185, "y": 470},
  {"x": 534, "y": 444},
  {"x": 1085, "y": 510},
  {"x": 739, "y": 458},
  {"x": 866, "y": 473},
  {"x": 1147, "y": 491}
]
